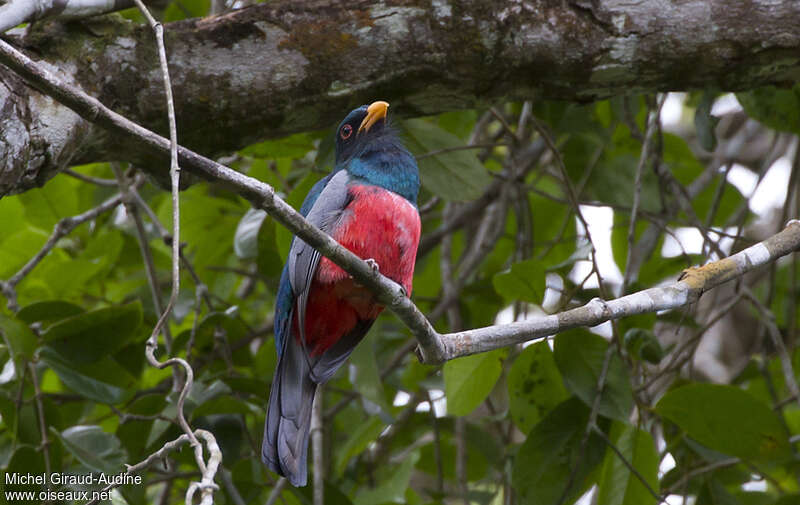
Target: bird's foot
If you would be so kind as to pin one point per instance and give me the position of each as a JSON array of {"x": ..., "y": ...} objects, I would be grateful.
[
  {"x": 403, "y": 290},
  {"x": 373, "y": 265}
]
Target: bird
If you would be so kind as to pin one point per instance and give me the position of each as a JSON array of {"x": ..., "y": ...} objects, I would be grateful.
[{"x": 367, "y": 203}]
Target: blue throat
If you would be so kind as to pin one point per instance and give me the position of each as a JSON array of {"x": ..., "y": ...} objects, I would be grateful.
[{"x": 386, "y": 163}]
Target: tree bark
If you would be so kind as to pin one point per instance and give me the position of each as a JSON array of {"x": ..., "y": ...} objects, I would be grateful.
[{"x": 283, "y": 67}]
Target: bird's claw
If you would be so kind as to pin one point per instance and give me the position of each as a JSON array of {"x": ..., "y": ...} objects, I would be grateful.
[
  {"x": 373, "y": 265},
  {"x": 404, "y": 291}
]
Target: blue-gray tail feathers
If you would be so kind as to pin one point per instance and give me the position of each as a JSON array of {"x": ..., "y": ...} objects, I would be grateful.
[{"x": 289, "y": 416}]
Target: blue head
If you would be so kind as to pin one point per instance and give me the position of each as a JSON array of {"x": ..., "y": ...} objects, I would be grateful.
[{"x": 370, "y": 150}]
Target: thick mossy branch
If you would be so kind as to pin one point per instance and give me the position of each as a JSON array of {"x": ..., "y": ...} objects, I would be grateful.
[{"x": 283, "y": 67}]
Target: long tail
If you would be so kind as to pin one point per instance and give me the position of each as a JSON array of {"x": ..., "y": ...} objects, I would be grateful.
[{"x": 289, "y": 416}]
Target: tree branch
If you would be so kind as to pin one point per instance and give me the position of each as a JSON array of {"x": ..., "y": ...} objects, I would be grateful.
[
  {"x": 288, "y": 66},
  {"x": 694, "y": 282},
  {"x": 206, "y": 485},
  {"x": 433, "y": 347},
  {"x": 61, "y": 229}
]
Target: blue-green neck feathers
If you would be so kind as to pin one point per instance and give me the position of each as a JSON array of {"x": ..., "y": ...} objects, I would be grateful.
[{"x": 389, "y": 166}]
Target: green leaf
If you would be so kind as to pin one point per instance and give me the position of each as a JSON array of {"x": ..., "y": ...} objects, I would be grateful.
[
  {"x": 455, "y": 175},
  {"x": 787, "y": 499},
  {"x": 643, "y": 344},
  {"x": 730, "y": 201},
  {"x": 715, "y": 493},
  {"x": 45, "y": 206},
  {"x": 545, "y": 461},
  {"x": 579, "y": 356},
  {"x": 201, "y": 393},
  {"x": 103, "y": 381},
  {"x": 367, "y": 380},
  {"x": 618, "y": 485},
  {"x": 534, "y": 386},
  {"x": 612, "y": 182},
  {"x": 245, "y": 240},
  {"x": 293, "y": 146},
  {"x": 360, "y": 438},
  {"x": 269, "y": 259},
  {"x": 19, "y": 339},
  {"x": 223, "y": 405},
  {"x": 208, "y": 225},
  {"x": 18, "y": 248},
  {"x": 469, "y": 380},
  {"x": 458, "y": 122},
  {"x": 392, "y": 490},
  {"x": 50, "y": 310},
  {"x": 479, "y": 448},
  {"x": 96, "y": 449},
  {"x": 90, "y": 336},
  {"x": 65, "y": 276},
  {"x": 775, "y": 107},
  {"x": 187, "y": 9},
  {"x": 524, "y": 282},
  {"x": 233, "y": 327},
  {"x": 103, "y": 249},
  {"x": 727, "y": 419},
  {"x": 25, "y": 459},
  {"x": 12, "y": 215}
]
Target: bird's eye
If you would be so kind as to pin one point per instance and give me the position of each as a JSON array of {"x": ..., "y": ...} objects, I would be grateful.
[{"x": 346, "y": 131}]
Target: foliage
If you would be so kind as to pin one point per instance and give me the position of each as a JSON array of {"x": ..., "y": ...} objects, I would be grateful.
[{"x": 521, "y": 425}]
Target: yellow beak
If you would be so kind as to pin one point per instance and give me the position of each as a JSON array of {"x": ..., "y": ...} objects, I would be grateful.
[{"x": 375, "y": 111}]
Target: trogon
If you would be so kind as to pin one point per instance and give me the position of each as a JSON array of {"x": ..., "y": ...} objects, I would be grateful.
[{"x": 368, "y": 203}]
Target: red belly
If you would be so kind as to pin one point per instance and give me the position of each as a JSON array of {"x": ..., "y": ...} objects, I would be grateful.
[{"x": 377, "y": 224}]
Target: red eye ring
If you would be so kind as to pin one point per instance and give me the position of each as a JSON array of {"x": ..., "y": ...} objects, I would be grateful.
[{"x": 346, "y": 131}]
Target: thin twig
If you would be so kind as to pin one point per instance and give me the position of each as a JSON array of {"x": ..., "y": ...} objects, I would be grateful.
[
  {"x": 208, "y": 472},
  {"x": 107, "y": 183},
  {"x": 276, "y": 491},
  {"x": 601, "y": 382},
  {"x": 627, "y": 463},
  {"x": 63, "y": 228},
  {"x": 166, "y": 237},
  {"x": 685, "y": 478},
  {"x": 652, "y": 119},
  {"x": 460, "y": 148},
  {"x": 144, "y": 248},
  {"x": 42, "y": 425},
  {"x": 461, "y": 458},
  {"x": 437, "y": 449},
  {"x": 317, "y": 448},
  {"x": 777, "y": 341},
  {"x": 206, "y": 485}
]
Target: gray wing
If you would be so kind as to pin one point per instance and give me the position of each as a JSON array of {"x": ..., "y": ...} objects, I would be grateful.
[{"x": 304, "y": 259}]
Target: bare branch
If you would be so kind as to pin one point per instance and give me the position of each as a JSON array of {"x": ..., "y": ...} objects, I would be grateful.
[
  {"x": 206, "y": 485},
  {"x": 687, "y": 290}
]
